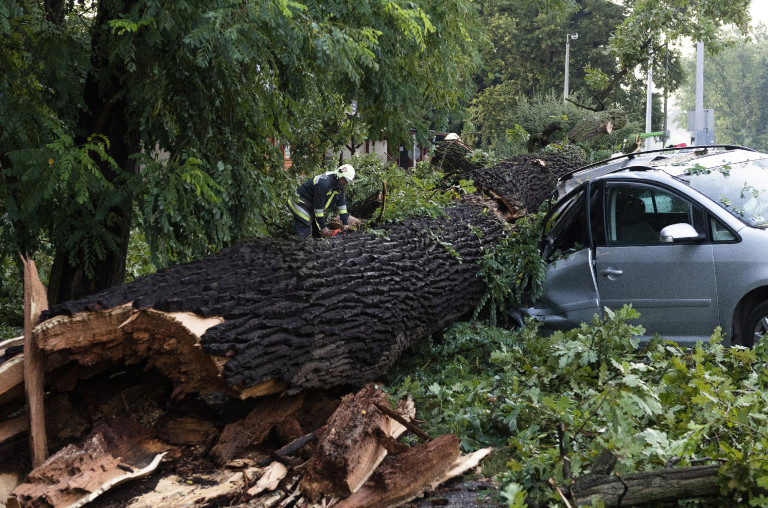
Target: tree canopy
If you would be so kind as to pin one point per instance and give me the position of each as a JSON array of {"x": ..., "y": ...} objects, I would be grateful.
[
  {"x": 177, "y": 109},
  {"x": 608, "y": 61}
]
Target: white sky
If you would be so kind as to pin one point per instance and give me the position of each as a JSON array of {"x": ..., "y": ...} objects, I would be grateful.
[{"x": 759, "y": 11}]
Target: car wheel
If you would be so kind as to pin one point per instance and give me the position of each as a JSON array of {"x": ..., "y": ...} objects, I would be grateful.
[{"x": 756, "y": 326}]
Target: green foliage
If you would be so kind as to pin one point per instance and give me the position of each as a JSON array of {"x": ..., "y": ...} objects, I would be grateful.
[
  {"x": 12, "y": 286},
  {"x": 554, "y": 403},
  {"x": 513, "y": 269},
  {"x": 531, "y": 115},
  {"x": 411, "y": 192},
  {"x": 11, "y": 293},
  {"x": 8, "y": 332},
  {"x": 178, "y": 109}
]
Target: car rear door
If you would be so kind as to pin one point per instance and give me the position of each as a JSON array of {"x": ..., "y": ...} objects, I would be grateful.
[{"x": 672, "y": 285}]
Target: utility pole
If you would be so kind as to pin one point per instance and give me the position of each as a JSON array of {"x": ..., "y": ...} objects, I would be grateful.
[
  {"x": 649, "y": 102},
  {"x": 699, "y": 107},
  {"x": 568, "y": 38}
]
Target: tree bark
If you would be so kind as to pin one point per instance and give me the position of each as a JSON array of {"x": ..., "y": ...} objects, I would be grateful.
[
  {"x": 650, "y": 487},
  {"x": 321, "y": 313},
  {"x": 105, "y": 114}
]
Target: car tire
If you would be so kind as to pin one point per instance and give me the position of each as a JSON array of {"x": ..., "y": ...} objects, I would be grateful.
[{"x": 756, "y": 326}]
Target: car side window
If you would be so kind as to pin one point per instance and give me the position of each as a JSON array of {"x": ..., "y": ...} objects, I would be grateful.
[
  {"x": 636, "y": 214},
  {"x": 565, "y": 230},
  {"x": 720, "y": 233}
]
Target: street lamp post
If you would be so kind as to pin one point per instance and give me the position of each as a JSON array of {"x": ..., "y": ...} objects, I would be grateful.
[{"x": 568, "y": 38}]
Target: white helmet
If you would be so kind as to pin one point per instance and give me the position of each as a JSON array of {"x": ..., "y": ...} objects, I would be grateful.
[{"x": 346, "y": 171}]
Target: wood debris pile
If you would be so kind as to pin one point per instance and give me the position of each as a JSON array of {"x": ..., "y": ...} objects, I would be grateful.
[
  {"x": 188, "y": 438},
  {"x": 217, "y": 450}
]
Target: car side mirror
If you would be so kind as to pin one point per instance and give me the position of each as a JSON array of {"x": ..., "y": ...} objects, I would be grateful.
[{"x": 677, "y": 232}]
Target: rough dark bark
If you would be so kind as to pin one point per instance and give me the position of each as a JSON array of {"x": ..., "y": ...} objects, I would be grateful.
[
  {"x": 646, "y": 488},
  {"x": 523, "y": 182},
  {"x": 319, "y": 313}
]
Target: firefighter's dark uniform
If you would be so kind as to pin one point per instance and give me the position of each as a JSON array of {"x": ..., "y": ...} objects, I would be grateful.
[{"x": 312, "y": 198}]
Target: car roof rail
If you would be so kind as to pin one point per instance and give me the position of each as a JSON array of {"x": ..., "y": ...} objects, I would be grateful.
[{"x": 629, "y": 156}]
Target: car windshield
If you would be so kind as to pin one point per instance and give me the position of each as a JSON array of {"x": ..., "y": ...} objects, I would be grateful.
[{"x": 740, "y": 187}]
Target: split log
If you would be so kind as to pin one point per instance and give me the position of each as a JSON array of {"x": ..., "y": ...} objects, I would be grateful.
[
  {"x": 453, "y": 157},
  {"x": 252, "y": 430},
  {"x": 590, "y": 128},
  {"x": 269, "y": 315},
  {"x": 349, "y": 450},
  {"x": 408, "y": 474},
  {"x": 74, "y": 476},
  {"x": 35, "y": 302},
  {"x": 653, "y": 487}
]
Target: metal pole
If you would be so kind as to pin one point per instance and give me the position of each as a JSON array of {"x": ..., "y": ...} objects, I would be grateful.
[
  {"x": 699, "y": 110},
  {"x": 649, "y": 102},
  {"x": 567, "y": 57},
  {"x": 666, "y": 81},
  {"x": 568, "y": 38}
]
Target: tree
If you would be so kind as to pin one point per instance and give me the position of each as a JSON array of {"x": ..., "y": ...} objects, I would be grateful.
[
  {"x": 615, "y": 44},
  {"x": 510, "y": 80},
  {"x": 652, "y": 26},
  {"x": 175, "y": 109},
  {"x": 735, "y": 83}
]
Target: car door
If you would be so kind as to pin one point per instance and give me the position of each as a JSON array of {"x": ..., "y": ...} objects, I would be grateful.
[
  {"x": 569, "y": 295},
  {"x": 672, "y": 285}
]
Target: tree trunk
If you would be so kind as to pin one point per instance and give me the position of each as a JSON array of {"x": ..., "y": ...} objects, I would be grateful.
[
  {"x": 651, "y": 487},
  {"x": 287, "y": 313},
  {"x": 105, "y": 114}
]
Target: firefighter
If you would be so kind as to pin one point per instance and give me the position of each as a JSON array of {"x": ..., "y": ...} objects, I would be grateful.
[{"x": 315, "y": 195}]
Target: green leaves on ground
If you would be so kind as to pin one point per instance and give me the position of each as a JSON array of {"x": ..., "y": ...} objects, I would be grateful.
[{"x": 552, "y": 404}]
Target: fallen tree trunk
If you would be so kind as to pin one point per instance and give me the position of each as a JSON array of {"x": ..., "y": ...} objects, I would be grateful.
[
  {"x": 522, "y": 183},
  {"x": 267, "y": 315},
  {"x": 647, "y": 488}
]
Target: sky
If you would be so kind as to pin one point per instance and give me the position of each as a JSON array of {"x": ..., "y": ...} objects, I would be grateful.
[
  {"x": 759, "y": 11},
  {"x": 679, "y": 133}
]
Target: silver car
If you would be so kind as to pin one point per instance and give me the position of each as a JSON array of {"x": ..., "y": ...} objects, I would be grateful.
[{"x": 679, "y": 234}]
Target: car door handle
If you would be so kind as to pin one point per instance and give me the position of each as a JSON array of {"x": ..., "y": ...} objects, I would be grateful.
[{"x": 609, "y": 272}]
